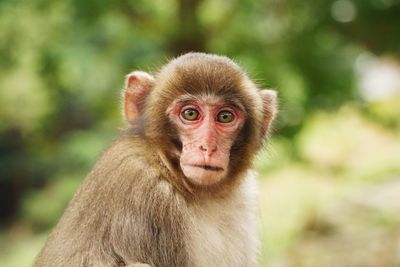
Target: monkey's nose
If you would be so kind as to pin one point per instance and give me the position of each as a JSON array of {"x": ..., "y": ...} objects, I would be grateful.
[{"x": 209, "y": 149}]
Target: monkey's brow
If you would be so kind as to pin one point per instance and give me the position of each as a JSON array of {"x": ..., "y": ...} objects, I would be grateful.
[
  {"x": 231, "y": 101},
  {"x": 186, "y": 100},
  {"x": 234, "y": 103}
]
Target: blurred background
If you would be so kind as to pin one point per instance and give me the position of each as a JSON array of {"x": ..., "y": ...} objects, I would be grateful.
[{"x": 330, "y": 178}]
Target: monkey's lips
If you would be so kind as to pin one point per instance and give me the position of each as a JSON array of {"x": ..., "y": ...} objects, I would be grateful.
[
  {"x": 209, "y": 167},
  {"x": 203, "y": 174}
]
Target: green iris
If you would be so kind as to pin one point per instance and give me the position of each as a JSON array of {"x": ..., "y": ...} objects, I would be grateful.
[
  {"x": 225, "y": 116},
  {"x": 190, "y": 114}
]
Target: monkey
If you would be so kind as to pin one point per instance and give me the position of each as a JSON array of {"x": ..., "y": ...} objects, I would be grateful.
[{"x": 176, "y": 187}]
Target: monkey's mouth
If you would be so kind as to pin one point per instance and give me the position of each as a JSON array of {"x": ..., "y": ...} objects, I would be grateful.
[{"x": 209, "y": 168}]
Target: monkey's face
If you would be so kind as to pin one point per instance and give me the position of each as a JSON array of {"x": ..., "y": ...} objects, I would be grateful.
[
  {"x": 204, "y": 117},
  {"x": 207, "y": 127}
]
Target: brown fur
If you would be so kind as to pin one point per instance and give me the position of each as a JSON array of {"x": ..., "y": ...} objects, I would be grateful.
[
  {"x": 119, "y": 215},
  {"x": 197, "y": 73},
  {"x": 135, "y": 205}
]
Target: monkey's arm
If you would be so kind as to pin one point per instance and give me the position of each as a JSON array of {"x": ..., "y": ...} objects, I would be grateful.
[{"x": 119, "y": 216}]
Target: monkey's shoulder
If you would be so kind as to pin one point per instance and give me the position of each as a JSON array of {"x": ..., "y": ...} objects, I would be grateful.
[
  {"x": 128, "y": 156},
  {"x": 126, "y": 168},
  {"x": 132, "y": 167}
]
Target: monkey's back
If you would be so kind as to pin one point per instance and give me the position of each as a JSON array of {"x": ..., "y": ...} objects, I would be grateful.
[{"x": 101, "y": 228}]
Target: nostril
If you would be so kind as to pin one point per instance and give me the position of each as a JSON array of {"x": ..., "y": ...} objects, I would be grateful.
[
  {"x": 208, "y": 149},
  {"x": 202, "y": 148}
]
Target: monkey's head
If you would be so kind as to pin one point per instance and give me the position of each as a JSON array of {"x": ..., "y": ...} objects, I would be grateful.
[{"x": 204, "y": 114}]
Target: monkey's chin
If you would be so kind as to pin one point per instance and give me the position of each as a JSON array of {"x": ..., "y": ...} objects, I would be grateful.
[{"x": 203, "y": 175}]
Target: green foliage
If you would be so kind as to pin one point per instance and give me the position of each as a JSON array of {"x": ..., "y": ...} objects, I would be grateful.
[
  {"x": 42, "y": 214},
  {"x": 62, "y": 65},
  {"x": 346, "y": 141}
]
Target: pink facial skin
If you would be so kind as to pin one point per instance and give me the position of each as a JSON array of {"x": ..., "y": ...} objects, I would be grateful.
[{"x": 206, "y": 140}]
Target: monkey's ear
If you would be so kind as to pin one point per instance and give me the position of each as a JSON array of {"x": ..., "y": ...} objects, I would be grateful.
[
  {"x": 137, "y": 86},
  {"x": 270, "y": 106}
]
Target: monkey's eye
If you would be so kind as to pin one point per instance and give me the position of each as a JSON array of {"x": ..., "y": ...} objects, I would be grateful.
[
  {"x": 225, "y": 116},
  {"x": 190, "y": 114}
]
